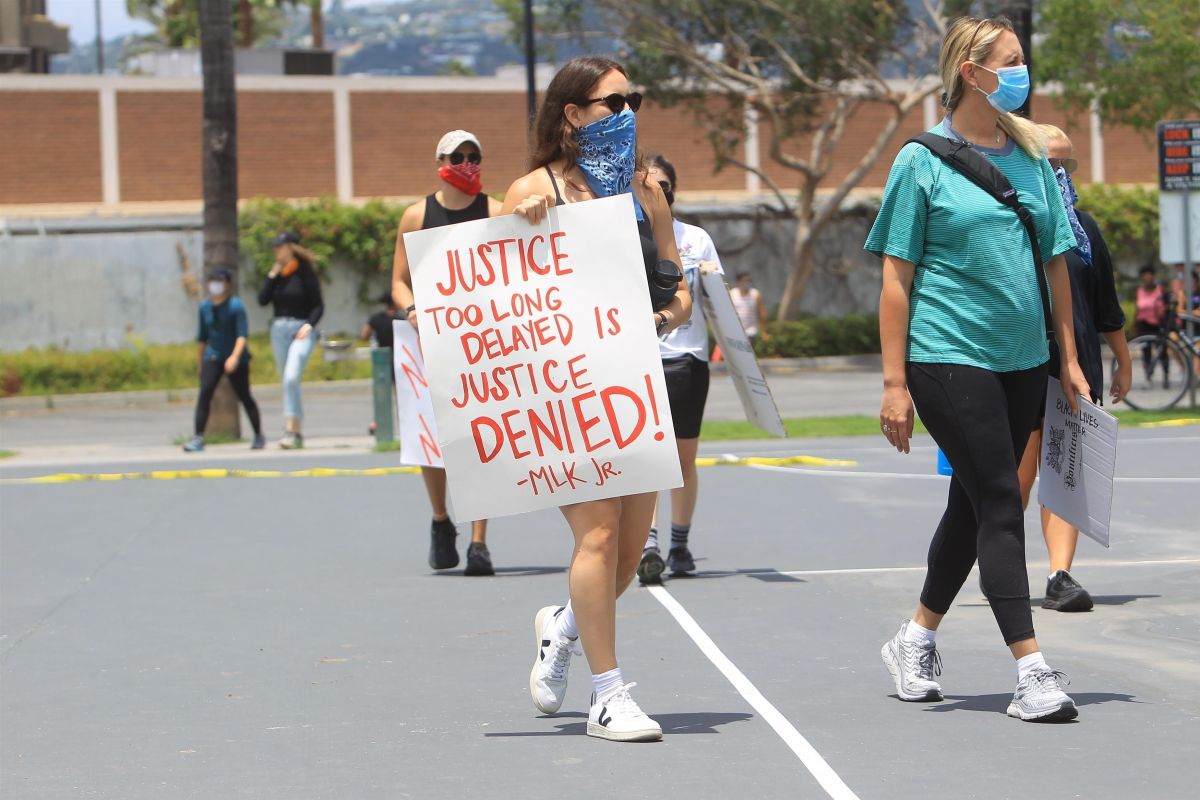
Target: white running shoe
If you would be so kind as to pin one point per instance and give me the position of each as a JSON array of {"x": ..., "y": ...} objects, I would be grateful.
[
  {"x": 913, "y": 667},
  {"x": 618, "y": 718},
  {"x": 1039, "y": 698},
  {"x": 551, "y": 662}
]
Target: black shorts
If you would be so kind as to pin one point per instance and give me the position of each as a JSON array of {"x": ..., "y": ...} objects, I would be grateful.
[{"x": 687, "y": 389}]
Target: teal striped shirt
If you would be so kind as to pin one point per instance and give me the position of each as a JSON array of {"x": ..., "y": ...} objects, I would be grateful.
[{"x": 975, "y": 297}]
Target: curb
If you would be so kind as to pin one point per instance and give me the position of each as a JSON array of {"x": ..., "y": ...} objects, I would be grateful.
[{"x": 154, "y": 397}]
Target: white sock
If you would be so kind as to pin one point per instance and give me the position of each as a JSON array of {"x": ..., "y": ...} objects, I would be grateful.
[
  {"x": 1029, "y": 663},
  {"x": 606, "y": 683},
  {"x": 566, "y": 623},
  {"x": 915, "y": 633},
  {"x": 652, "y": 540}
]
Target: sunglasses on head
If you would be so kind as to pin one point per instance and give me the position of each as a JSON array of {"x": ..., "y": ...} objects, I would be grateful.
[
  {"x": 458, "y": 158},
  {"x": 616, "y": 102}
]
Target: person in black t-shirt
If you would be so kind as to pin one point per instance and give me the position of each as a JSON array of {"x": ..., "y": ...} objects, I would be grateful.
[
  {"x": 1097, "y": 312},
  {"x": 294, "y": 291},
  {"x": 459, "y": 198},
  {"x": 379, "y": 328}
]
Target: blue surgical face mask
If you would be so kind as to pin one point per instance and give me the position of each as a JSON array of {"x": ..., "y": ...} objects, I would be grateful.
[{"x": 1012, "y": 90}]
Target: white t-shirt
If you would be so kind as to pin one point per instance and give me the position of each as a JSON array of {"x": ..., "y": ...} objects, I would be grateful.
[
  {"x": 691, "y": 338},
  {"x": 746, "y": 306}
]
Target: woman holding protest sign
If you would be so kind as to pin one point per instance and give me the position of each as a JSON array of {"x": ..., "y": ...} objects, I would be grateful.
[
  {"x": 963, "y": 326},
  {"x": 585, "y": 147},
  {"x": 459, "y": 199},
  {"x": 1097, "y": 312}
]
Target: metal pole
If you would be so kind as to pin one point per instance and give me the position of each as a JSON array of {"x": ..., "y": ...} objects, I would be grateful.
[
  {"x": 1189, "y": 286},
  {"x": 530, "y": 63},
  {"x": 99, "y": 43}
]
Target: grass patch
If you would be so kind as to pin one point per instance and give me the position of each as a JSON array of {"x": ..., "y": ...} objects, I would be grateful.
[
  {"x": 862, "y": 425},
  {"x": 800, "y": 428},
  {"x": 7, "y": 453},
  {"x": 387, "y": 447}
]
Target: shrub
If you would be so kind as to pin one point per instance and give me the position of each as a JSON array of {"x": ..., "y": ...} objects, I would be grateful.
[{"x": 821, "y": 336}]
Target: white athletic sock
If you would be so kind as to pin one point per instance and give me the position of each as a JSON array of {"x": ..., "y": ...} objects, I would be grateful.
[
  {"x": 652, "y": 540},
  {"x": 915, "y": 633},
  {"x": 1027, "y": 664},
  {"x": 566, "y": 623},
  {"x": 606, "y": 683}
]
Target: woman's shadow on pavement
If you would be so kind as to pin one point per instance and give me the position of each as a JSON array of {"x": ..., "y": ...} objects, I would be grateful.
[
  {"x": 998, "y": 703},
  {"x": 672, "y": 724}
]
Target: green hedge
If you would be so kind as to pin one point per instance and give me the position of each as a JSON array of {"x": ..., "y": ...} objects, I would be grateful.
[
  {"x": 821, "y": 336},
  {"x": 1127, "y": 218},
  {"x": 363, "y": 237},
  {"x": 168, "y": 366}
]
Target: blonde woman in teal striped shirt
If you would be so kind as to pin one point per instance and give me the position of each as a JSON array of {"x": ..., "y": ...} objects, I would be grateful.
[{"x": 961, "y": 323}]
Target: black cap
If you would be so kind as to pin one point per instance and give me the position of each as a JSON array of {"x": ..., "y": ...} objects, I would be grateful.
[
  {"x": 287, "y": 237},
  {"x": 220, "y": 274}
]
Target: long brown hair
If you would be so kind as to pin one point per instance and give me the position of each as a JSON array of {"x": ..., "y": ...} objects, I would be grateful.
[{"x": 553, "y": 135}]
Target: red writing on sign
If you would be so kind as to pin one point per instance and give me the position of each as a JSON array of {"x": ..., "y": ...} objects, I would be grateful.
[
  {"x": 584, "y": 422},
  {"x": 519, "y": 380},
  {"x": 500, "y": 260}
]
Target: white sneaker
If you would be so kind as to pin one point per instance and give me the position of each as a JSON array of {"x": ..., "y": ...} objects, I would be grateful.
[
  {"x": 551, "y": 662},
  {"x": 1039, "y": 697},
  {"x": 618, "y": 718},
  {"x": 913, "y": 667}
]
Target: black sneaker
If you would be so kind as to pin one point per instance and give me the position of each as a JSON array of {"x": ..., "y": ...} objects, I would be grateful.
[
  {"x": 1063, "y": 593},
  {"x": 442, "y": 552},
  {"x": 680, "y": 561},
  {"x": 479, "y": 560},
  {"x": 651, "y": 568}
]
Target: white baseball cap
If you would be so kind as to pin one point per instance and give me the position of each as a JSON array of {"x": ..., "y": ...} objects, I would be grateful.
[{"x": 453, "y": 140}]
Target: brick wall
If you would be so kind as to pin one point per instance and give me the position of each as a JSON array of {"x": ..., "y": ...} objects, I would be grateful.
[
  {"x": 158, "y": 145},
  {"x": 286, "y": 144},
  {"x": 395, "y": 134},
  {"x": 50, "y": 147}
]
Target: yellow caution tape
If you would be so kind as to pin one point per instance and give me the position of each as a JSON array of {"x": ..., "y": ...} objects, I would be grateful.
[{"x": 373, "y": 472}]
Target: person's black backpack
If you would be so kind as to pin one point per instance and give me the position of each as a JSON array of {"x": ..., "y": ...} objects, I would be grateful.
[{"x": 976, "y": 167}]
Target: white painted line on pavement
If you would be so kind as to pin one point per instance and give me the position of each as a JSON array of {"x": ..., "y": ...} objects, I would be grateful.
[
  {"x": 851, "y": 473},
  {"x": 812, "y": 760}
]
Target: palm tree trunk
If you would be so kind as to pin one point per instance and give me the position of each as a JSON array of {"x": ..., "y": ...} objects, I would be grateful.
[
  {"x": 318, "y": 25},
  {"x": 220, "y": 171},
  {"x": 245, "y": 24}
]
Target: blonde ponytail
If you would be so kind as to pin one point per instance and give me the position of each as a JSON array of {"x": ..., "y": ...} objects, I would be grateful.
[{"x": 1026, "y": 134}]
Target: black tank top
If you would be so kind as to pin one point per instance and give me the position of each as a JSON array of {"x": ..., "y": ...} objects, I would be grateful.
[
  {"x": 645, "y": 229},
  {"x": 437, "y": 215}
]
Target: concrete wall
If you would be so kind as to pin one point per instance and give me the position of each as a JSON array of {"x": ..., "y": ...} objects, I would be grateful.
[{"x": 104, "y": 290}]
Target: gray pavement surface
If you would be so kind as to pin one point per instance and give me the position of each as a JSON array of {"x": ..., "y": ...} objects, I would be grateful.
[
  {"x": 284, "y": 638},
  {"x": 336, "y": 416}
]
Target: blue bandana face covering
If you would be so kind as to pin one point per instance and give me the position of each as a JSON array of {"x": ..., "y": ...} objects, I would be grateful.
[
  {"x": 608, "y": 154},
  {"x": 1083, "y": 245},
  {"x": 1012, "y": 90}
]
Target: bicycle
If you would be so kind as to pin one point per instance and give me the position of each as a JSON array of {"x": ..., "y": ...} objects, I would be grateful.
[{"x": 1166, "y": 360}]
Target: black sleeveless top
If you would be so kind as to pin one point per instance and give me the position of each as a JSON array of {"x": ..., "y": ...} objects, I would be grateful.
[
  {"x": 645, "y": 229},
  {"x": 437, "y": 215}
]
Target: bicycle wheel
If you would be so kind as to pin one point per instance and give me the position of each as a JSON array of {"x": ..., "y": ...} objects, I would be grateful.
[{"x": 1162, "y": 373}]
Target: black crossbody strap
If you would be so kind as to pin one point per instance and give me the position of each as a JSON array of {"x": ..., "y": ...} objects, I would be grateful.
[{"x": 975, "y": 167}]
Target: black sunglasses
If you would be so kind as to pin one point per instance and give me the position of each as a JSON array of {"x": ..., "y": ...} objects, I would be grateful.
[
  {"x": 457, "y": 158},
  {"x": 616, "y": 102}
]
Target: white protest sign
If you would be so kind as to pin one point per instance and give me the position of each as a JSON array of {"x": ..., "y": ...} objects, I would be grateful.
[
  {"x": 1079, "y": 456},
  {"x": 414, "y": 407},
  {"x": 748, "y": 379},
  {"x": 542, "y": 359}
]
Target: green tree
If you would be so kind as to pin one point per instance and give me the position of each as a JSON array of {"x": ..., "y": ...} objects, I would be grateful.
[
  {"x": 803, "y": 69},
  {"x": 1138, "y": 59},
  {"x": 177, "y": 22}
]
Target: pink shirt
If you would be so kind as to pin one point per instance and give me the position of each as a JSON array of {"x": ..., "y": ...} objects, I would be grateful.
[{"x": 1150, "y": 305}]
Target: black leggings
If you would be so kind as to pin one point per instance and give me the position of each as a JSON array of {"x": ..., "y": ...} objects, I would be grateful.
[
  {"x": 982, "y": 421},
  {"x": 210, "y": 376}
]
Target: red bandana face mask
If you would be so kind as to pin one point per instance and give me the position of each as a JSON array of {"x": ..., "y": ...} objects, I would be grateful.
[{"x": 464, "y": 177}]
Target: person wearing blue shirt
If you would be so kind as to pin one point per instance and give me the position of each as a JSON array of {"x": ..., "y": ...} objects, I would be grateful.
[
  {"x": 964, "y": 341},
  {"x": 221, "y": 348}
]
